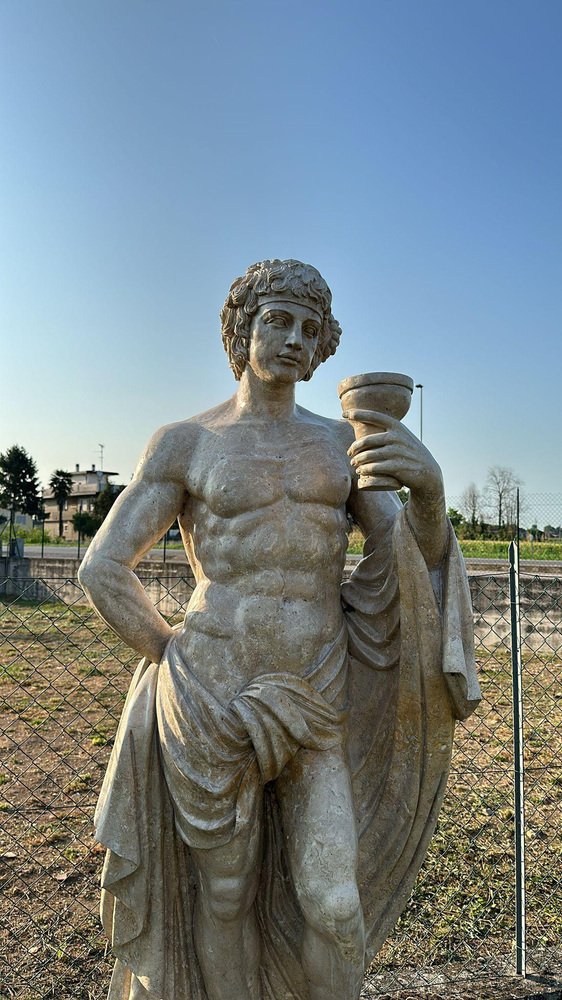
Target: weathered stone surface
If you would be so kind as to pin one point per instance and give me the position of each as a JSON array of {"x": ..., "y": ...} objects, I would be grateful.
[{"x": 282, "y": 756}]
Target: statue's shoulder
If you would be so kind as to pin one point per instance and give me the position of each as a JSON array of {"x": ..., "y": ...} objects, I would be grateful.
[
  {"x": 172, "y": 446},
  {"x": 209, "y": 419},
  {"x": 340, "y": 430}
]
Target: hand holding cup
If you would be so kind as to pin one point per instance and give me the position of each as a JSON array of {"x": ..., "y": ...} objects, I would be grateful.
[{"x": 387, "y": 393}]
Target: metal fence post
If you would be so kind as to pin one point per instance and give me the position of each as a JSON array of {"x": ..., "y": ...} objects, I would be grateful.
[{"x": 519, "y": 771}]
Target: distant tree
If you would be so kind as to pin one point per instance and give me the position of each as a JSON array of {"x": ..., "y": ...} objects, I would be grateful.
[
  {"x": 501, "y": 491},
  {"x": 471, "y": 507},
  {"x": 19, "y": 485},
  {"x": 85, "y": 524},
  {"x": 455, "y": 517},
  {"x": 61, "y": 485},
  {"x": 105, "y": 500},
  {"x": 404, "y": 495}
]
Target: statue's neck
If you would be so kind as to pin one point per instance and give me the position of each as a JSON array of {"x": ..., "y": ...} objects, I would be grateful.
[{"x": 264, "y": 399}]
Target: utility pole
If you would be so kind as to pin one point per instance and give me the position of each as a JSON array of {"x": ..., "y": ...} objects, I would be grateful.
[{"x": 101, "y": 447}]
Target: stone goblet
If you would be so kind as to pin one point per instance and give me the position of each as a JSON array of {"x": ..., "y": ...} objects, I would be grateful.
[{"x": 384, "y": 392}]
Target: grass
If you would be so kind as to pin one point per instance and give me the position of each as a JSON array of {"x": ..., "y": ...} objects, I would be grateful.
[
  {"x": 486, "y": 548},
  {"x": 63, "y": 678}
]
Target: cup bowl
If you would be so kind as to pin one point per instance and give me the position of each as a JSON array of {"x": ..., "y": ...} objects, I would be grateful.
[{"x": 385, "y": 392}]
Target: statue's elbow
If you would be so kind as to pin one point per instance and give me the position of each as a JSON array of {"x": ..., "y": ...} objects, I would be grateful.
[{"x": 89, "y": 575}]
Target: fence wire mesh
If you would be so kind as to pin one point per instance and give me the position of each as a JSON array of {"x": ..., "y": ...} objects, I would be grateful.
[{"x": 63, "y": 679}]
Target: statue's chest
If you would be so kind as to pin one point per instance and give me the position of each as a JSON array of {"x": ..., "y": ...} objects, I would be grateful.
[{"x": 243, "y": 473}]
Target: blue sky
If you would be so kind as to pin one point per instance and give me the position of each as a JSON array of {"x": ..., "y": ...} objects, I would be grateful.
[{"x": 412, "y": 151}]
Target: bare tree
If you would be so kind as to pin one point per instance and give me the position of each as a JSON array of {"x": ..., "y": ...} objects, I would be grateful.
[
  {"x": 471, "y": 506},
  {"x": 501, "y": 490}
]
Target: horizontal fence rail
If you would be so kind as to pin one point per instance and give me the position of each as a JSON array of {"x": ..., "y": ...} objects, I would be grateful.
[{"x": 63, "y": 679}]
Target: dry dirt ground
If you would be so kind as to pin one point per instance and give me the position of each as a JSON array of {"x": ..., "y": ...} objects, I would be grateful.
[{"x": 63, "y": 677}]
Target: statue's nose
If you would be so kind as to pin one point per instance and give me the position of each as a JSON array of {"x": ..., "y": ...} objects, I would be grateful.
[{"x": 294, "y": 336}]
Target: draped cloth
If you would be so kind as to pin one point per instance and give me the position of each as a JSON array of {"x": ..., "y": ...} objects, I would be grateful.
[{"x": 186, "y": 770}]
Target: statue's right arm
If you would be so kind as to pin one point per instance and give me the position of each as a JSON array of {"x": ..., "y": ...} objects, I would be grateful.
[{"x": 137, "y": 520}]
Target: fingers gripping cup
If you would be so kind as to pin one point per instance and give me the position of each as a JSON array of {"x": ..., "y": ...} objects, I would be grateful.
[{"x": 383, "y": 392}]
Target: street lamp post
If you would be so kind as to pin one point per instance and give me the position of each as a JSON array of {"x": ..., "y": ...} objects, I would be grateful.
[
  {"x": 420, "y": 387},
  {"x": 44, "y": 515}
]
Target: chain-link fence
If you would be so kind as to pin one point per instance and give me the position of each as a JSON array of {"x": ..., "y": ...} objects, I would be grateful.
[{"x": 63, "y": 678}]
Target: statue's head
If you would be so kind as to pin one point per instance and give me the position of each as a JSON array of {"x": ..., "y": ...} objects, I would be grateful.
[{"x": 285, "y": 279}]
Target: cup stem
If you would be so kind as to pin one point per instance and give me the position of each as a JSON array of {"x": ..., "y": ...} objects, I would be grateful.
[{"x": 371, "y": 482}]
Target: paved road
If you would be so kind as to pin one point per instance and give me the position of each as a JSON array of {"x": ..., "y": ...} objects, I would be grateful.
[{"x": 33, "y": 551}]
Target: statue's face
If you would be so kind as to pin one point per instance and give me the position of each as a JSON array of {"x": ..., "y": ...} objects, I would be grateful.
[{"x": 283, "y": 339}]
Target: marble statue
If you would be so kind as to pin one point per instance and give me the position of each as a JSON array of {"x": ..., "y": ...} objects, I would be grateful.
[{"x": 282, "y": 756}]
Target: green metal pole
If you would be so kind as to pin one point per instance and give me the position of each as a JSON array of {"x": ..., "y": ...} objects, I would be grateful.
[{"x": 519, "y": 769}]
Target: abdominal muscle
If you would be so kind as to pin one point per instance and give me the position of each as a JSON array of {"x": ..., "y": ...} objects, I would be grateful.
[{"x": 272, "y": 614}]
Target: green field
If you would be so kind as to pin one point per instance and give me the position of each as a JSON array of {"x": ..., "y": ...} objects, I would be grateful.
[
  {"x": 487, "y": 549},
  {"x": 476, "y": 549}
]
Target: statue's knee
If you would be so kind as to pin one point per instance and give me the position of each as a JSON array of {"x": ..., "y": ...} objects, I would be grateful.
[
  {"x": 342, "y": 904},
  {"x": 226, "y": 899},
  {"x": 333, "y": 909}
]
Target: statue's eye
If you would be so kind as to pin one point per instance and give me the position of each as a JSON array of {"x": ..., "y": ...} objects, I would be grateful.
[
  {"x": 276, "y": 319},
  {"x": 311, "y": 332}
]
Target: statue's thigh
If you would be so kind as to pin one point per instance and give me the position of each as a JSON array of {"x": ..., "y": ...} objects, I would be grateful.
[
  {"x": 233, "y": 867},
  {"x": 317, "y": 811}
]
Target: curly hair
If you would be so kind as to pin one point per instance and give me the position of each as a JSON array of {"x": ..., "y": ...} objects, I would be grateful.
[{"x": 267, "y": 277}]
